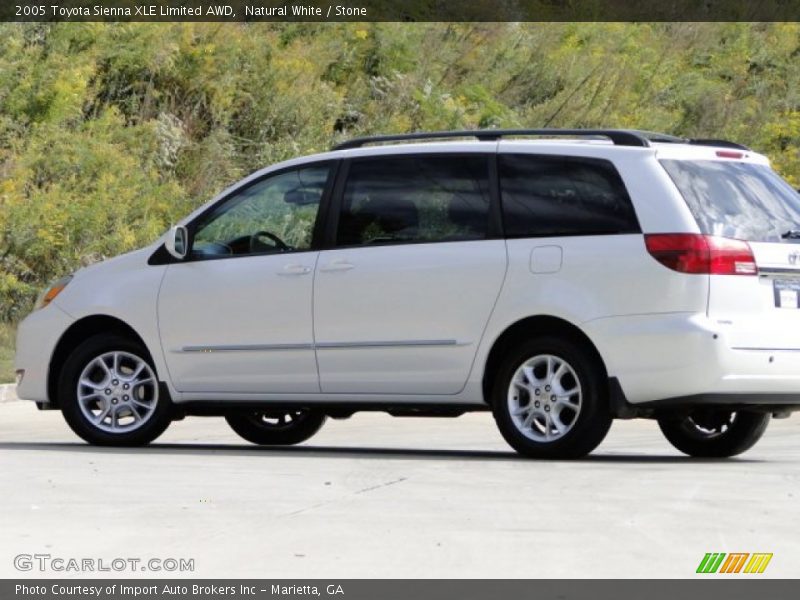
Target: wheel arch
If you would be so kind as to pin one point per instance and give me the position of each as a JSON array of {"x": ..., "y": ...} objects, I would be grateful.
[
  {"x": 76, "y": 333},
  {"x": 528, "y": 327}
]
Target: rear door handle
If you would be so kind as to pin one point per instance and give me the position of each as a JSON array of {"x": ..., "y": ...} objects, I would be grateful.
[
  {"x": 295, "y": 269},
  {"x": 337, "y": 265}
]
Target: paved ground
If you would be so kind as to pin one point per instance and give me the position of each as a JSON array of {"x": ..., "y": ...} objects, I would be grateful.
[
  {"x": 7, "y": 392},
  {"x": 376, "y": 496}
]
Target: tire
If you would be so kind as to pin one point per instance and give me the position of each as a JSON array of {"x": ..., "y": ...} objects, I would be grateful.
[
  {"x": 710, "y": 433},
  {"x": 583, "y": 415},
  {"x": 120, "y": 404},
  {"x": 279, "y": 427}
]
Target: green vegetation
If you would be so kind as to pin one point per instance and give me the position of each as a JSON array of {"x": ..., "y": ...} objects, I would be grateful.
[
  {"x": 7, "y": 334},
  {"x": 110, "y": 132}
]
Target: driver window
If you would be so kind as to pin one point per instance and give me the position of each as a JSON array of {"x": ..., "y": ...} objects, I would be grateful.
[{"x": 276, "y": 214}]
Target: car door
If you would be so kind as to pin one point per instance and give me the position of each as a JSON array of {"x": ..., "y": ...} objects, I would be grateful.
[
  {"x": 236, "y": 316},
  {"x": 402, "y": 298}
]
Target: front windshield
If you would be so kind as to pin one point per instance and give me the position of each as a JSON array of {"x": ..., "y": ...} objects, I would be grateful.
[{"x": 740, "y": 200}]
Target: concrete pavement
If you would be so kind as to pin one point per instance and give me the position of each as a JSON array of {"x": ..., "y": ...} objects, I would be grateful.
[
  {"x": 376, "y": 496},
  {"x": 8, "y": 392}
]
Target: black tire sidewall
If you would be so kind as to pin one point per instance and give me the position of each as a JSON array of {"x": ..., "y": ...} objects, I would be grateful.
[
  {"x": 243, "y": 425},
  {"x": 67, "y": 394},
  {"x": 594, "y": 419},
  {"x": 742, "y": 435}
]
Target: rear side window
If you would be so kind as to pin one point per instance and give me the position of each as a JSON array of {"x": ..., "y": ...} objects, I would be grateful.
[
  {"x": 406, "y": 199},
  {"x": 740, "y": 200},
  {"x": 563, "y": 195}
]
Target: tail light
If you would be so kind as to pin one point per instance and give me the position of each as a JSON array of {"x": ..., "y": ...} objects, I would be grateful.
[{"x": 704, "y": 254}]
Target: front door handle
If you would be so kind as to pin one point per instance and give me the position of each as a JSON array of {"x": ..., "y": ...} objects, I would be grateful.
[
  {"x": 337, "y": 265},
  {"x": 295, "y": 269}
]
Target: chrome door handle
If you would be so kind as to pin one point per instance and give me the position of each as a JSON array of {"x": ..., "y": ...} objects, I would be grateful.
[
  {"x": 337, "y": 265},
  {"x": 295, "y": 269}
]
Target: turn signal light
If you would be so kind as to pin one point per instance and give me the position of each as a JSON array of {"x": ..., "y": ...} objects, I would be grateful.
[{"x": 51, "y": 291}]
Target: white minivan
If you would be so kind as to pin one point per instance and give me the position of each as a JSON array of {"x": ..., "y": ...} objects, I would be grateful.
[{"x": 559, "y": 278}]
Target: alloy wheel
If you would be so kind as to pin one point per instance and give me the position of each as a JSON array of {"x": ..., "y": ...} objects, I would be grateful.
[
  {"x": 704, "y": 425},
  {"x": 117, "y": 392},
  {"x": 545, "y": 398},
  {"x": 279, "y": 419}
]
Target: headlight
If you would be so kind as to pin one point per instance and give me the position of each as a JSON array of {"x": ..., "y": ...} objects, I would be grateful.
[{"x": 51, "y": 291}]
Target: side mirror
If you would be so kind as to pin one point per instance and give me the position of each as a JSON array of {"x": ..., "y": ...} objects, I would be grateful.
[{"x": 177, "y": 242}]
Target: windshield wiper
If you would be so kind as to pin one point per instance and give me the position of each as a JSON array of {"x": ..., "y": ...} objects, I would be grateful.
[{"x": 792, "y": 234}]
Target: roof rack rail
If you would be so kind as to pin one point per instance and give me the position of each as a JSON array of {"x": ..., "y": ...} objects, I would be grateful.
[
  {"x": 671, "y": 139},
  {"x": 619, "y": 137},
  {"x": 655, "y": 136},
  {"x": 720, "y": 143}
]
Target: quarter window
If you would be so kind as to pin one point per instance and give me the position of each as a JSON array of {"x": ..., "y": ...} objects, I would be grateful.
[
  {"x": 562, "y": 195},
  {"x": 276, "y": 214},
  {"x": 405, "y": 199}
]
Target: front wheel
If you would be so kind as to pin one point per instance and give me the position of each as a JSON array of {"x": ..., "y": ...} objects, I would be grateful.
[
  {"x": 709, "y": 433},
  {"x": 550, "y": 399},
  {"x": 109, "y": 393},
  {"x": 277, "y": 427}
]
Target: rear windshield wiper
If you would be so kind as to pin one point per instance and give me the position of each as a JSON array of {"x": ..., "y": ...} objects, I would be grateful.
[{"x": 792, "y": 234}]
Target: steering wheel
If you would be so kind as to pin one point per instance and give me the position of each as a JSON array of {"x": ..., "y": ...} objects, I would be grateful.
[{"x": 279, "y": 243}]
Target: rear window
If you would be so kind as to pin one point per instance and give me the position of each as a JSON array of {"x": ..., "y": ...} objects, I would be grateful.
[{"x": 737, "y": 199}]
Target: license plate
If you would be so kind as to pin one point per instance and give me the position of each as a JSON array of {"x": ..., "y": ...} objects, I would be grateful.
[{"x": 787, "y": 293}]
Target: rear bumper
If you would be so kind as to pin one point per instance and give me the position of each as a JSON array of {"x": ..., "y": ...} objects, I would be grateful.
[
  {"x": 772, "y": 403},
  {"x": 685, "y": 359}
]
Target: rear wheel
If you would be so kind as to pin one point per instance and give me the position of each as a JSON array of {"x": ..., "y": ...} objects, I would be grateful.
[
  {"x": 550, "y": 399},
  {"x": 279, "y": 427},
  {"x": 713, "y": 433},
  {"x": 109, "y": 393}
]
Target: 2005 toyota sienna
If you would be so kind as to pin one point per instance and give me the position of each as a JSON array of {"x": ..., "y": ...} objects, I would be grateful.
[{"x": 559, "y": 278}]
